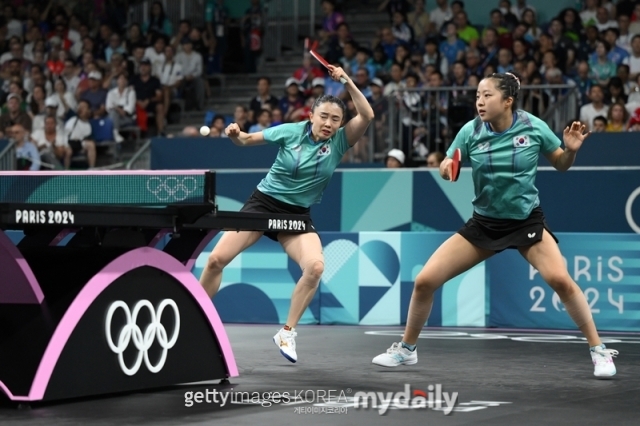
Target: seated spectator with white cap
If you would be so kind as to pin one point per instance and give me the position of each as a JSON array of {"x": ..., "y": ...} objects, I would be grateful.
[
  {"x": 395, "y": 159},
  {"x": 95, "y": 96},
  {"x": 317, "y": 87},
  {"x": 292, "y": 100},
  {"x": 52, "y": 143}
]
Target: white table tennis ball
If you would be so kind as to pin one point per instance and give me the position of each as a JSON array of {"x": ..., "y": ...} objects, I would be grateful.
[{"x": 205, "y": 130}]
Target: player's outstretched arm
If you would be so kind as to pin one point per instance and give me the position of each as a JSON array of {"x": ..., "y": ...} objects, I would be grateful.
[
  {"x": 573, "y": 137},
  {"x": 241, "y": 138},
  {"x": 356, "y": 127}
]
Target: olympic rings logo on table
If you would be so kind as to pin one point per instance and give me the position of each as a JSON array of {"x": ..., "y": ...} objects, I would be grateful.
[
  {"x": 172, "y": 188},
  {"x": 628, "y": 210},
  {"x": 142, "y": 340}
]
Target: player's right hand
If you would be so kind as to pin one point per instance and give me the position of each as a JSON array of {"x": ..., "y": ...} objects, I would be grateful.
[
  {"x": 446, "y": 168},
  {"x": 232, "y": 130}
]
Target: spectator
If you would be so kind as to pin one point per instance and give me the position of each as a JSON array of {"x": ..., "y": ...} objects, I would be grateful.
[
  {"x": 78, "y": 133},
  {"x": 217, "y": 19},
  {"x": 634, "y": 59},
  {"x": 380, "y": 63},
  {"x": 52, "y": 143},
  {"x": 331, "y": 20},
  {"x": 433, "y": 57},
  {"x": 401, "y": 29},
  {"x": 306, "y": 74},
  {"x": 240, "y": 117},
  {"x": 599, "y": 124},
  {"x": 134, "y": 37},
  {"x": 601, "y": 67},
  {"x": 252, "y": 35},
  {"x": 434, "y": 159},
  {"x": 276, "y": 117},
  {"x": 158, "y": 22},
  {"x": 292, "y": 100},
  {"x": 466, "y": 32},
  {"x": 337, "y": 42},
  {"x": 418, "y": 19},
  {"x": 519, "y": 7},
  {"x": 624, "y": 37},
  {"x": 348, "y": 60},
  {"x": 317, "y": 87},
  {"x": 388, "y": 42},
  {"x": 603, "y": 20},
  {"x": 115, "y": 46},
  {"x": 191, "y": 63},
  {"x": 171, "y": 78},
  {"x": 37, "y": 108},
  {"x": 95, "y": 96},
  {"x": 505, "y": 63},
  {"x": 121, "y": 104},
  {"x": 264, "y": 100},
  {"x": 452, "y": 48},
  {"x": 584, "y": 81},
  {"x": 396, "y": 82},
  {"x": 393, "y": 6},
  {"x": 394, "y": 159},
  {"x": 616, "y": 53},
  {"x": 263, "y": 121},
  {"x": 14, "y": 115},
  {"x": 534, "y": 32},
  {"x": 439, "y": 15},
  {"x": 217, "y": 127},
  {"x": 617, "y": 118},
  {"x": 589, "y": 13},
  {"x": 597, "y": 107},
  {"x": 149, "y": 94},
  {"x": 26, "y": 152},
  {"x": 615, "y": 91},
  {"x": 183, "y": 33},
  {"x": 155, "y": 54}
]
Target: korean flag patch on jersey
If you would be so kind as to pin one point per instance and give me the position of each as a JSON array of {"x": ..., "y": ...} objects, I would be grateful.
[
  {"x": 325, "y": 150},
  {"x": 521, "y": 141}
]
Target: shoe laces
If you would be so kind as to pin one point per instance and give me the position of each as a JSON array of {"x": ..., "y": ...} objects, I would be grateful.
[
  {"x": 288, "y": 337},
  {"x": 395, "y": 348},
  {"x": 605, "y": 354}
]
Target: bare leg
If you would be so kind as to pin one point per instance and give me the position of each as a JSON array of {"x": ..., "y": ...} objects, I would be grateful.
[
  {"x": 306, "y": 251},
  {"x": 90, "y": 149},
  {"x": 160, "y": 117},
  {"x": 452, "y": 258},
  {"x": 230, "y": 245},
  {"x": 545, "y": 256}
]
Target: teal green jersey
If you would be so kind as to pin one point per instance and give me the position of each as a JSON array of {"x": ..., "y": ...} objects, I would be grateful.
[
  {"x": 303, "y": 167},
  {"x": 504, "y": 165}
]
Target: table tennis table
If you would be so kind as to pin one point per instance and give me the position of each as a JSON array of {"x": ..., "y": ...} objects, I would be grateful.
[{"x": 91, "y": 303}]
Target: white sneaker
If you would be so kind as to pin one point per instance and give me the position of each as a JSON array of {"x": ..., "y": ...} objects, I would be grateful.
[
  {"x": 603, "y": 361},
  {"x": 285, "y": 340},
  {"x": 396, "y": 355}
]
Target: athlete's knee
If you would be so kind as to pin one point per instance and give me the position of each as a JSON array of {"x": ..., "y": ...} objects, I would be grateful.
[
  {"x": 561, "y": 283},
  {"x": 426, "y": 283},
  {"x": 217, "y": 262},
  {"x": 314, "y": 270}
]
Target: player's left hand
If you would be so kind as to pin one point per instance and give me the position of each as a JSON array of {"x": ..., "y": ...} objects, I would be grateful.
[
  {"x": 337, "y": 72},
  {"x": 574, "y": 135}
]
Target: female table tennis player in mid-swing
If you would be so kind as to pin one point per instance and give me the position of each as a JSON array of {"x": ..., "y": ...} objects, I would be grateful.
[
  {"x": 503, "y": 145},
  {"x": 309, "y": 153}
]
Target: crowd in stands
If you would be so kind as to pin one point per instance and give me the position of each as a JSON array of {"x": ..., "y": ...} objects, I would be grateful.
[
  {"x": 75, "y": 75},
  {"x": 99, "y": 76},
  {"x": 592, "y": 51}
]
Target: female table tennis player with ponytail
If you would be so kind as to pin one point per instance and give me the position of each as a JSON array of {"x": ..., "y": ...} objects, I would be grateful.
[
  {"x": 503, "y": 145},
  {"x": 309, "y": 153}
]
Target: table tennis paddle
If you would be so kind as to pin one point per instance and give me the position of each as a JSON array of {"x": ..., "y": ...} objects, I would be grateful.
[
  {"x": 455, "y": 165},
  {"x": 323, "y": 61}
]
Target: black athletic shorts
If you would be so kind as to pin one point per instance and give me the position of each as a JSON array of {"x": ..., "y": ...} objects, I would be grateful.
[
  {"x": 259, "y": 202},
  {"x": 501, "y": 234}
]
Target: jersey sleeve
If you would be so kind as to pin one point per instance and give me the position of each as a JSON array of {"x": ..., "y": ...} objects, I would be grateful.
[
  {"x": 549, "y": 141},
  {"x": 462, "y": 141},
  {"x": 277, "y": 135},
  {"x": 341, "y": 140}
]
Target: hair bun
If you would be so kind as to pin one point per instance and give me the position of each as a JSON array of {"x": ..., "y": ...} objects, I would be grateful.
[{"x": 515, "y": 77}]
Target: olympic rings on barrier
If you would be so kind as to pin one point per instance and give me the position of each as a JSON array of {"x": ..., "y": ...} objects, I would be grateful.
[
  {"x": 142, "y": 340},
  {"x": 172, "y": 188}
]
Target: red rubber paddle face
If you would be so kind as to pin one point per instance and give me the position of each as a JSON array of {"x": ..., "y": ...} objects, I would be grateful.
[{"x": 455, "y": 166}]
